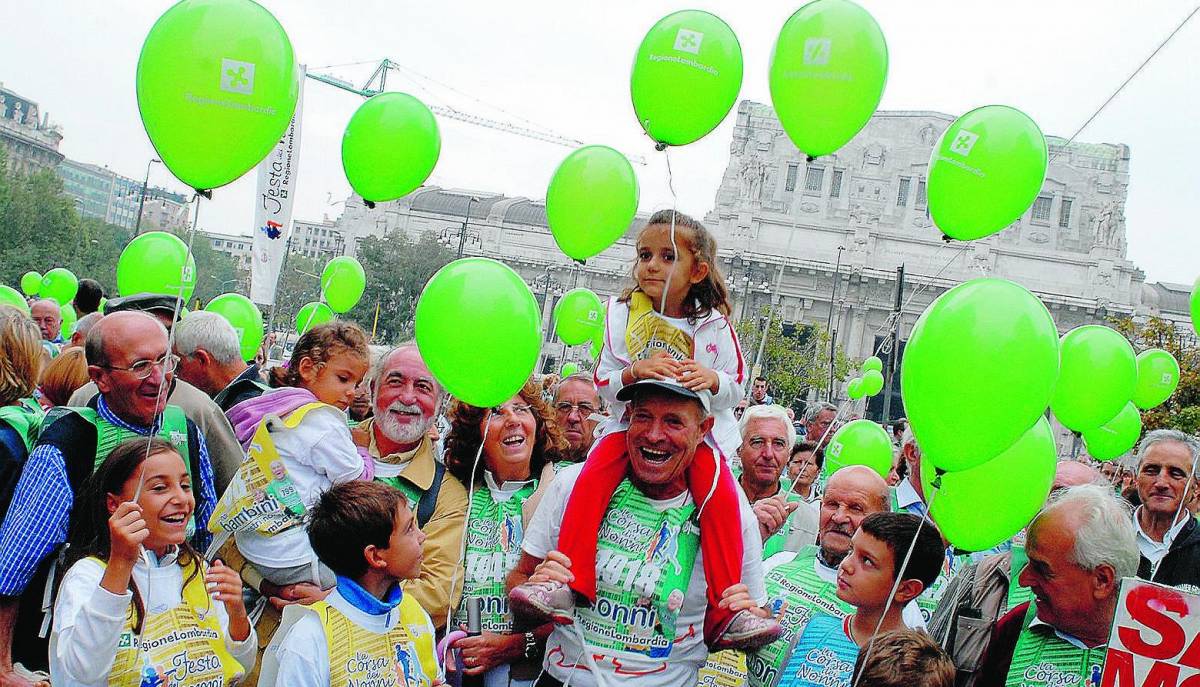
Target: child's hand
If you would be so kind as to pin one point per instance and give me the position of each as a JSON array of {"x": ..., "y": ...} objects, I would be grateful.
[
  {"x": 225, "y": 585},
  {"x": 554, "y": 569},
  {"x": 301, "y": 593},
  {"x": 127, "y": 530},
  {"x": 658, "y": 366},
  {"x": 737, "y": 598},
  {"x": 697, "y": 377}
]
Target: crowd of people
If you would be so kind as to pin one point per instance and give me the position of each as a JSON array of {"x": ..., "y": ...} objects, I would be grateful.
[{"x": 175, "y": 515}]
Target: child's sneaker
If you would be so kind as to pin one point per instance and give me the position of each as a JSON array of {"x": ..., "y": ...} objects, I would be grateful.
[
  {"x": 543, "y": 602},
  {"x": 747, "y": 632}
]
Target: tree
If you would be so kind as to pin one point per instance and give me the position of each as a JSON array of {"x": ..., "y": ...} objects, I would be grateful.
[
  {"x": 397, "y": 269},
  {"x": 795, "y": 358},
  {"x": 1182, "y": 410},
  {"x": 299, "y": 283},
  {"x": 216, "y": 272}
]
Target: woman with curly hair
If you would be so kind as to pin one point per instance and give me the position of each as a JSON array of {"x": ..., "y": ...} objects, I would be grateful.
[{"x": 517, "y": 444}]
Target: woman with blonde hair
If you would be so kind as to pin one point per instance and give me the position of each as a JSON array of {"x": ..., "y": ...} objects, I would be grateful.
[{"x": 20, "y": 416}]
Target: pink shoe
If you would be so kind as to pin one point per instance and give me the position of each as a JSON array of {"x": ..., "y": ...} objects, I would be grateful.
[
  {"x": 747, "y": 632},
  {"x": 543, "y": 602}
]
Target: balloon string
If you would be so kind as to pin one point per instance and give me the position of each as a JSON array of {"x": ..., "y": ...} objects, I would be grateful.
[
  {"x": 1186, "y": 488},
  {"x": 462, "y": 551},
  {"x": 937, "y": 482},
  {"x": 674, "y": 249}
]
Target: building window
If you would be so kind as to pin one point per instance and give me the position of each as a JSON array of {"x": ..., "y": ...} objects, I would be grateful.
[
  {"x": 835, "y": 185},
  {"x": 792, "y": 172},
  {"x": 920, "y": 193},
  {"x": 813, "y": 179},
  {"x": 1064, "y": 213},
  {"x": 1041, "y": 208}
]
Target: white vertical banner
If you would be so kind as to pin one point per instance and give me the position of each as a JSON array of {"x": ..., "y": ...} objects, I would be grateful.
[{"x": 273, "y": 208}]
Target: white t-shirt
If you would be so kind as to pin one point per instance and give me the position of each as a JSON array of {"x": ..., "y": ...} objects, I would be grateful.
[
  {"x": 912, "y": 612},
  {"x": 318, "y": 454},
  {"x": 689, "y": 653}
]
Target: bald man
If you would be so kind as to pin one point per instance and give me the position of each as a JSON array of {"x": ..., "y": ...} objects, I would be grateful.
[
  {"x": 980, "y": 594},
  {"x": 800, "y": 584}
]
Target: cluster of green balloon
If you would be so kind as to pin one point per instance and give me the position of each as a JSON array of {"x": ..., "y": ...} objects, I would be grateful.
[
  {"x": 982, "y": 506},
  {"x": 591, "y": 200},
  {"x": 59, "y": 285},
  {"x": 1097, "y": 377},
  {"x": 860, "y": 442},
  {"x": 217, "y": 84},
  {"x": 1115, "y": 437},
  {"x": 342, "y": 283},
  {"x": 31, "y": 283},
  {"x": 244, "y": 316},
  {"x": 390, "y": 146},
  {"x": 311, "y": 314},
  {"x": 10, "y": 296},
  {"x": 827, "y": 74},
  {"x": 568, "y": 369},
  {"x": 686, "y": 76},
  {"x": 978, "y": 371},
  {"x": 478, "y": 328},
  {"x": 1156, "y": 375},
  {"x": 985, "y": 172},
  {"x": 577, "y": 316},
  {"x": 871, "y": 381},
  {"x": 67, "y": 312},
  {"x": 156, "y": 262}
]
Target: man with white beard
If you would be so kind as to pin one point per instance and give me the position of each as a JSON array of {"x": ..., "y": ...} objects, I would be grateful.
[{"x": 405, "y": 399}]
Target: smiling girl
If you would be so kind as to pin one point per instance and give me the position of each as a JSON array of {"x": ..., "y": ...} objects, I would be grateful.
[{"x": 139, "y": 603}]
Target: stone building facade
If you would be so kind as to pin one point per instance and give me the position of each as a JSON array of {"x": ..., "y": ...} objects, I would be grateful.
[{"x": 29, "y": 138}]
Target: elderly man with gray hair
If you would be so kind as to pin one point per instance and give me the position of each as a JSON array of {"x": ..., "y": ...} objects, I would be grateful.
[
  {"x": 818, "y": 422},
  {"x": 1167, "y": 535},
  {"x": 210, "y": 359},
  {"x": 1079, "y": 548},
  {"x": 785, "y": 521}
]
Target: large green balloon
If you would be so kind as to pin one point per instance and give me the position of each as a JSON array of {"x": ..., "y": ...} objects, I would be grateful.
[
  {"x": 343, "y": 282},
  {"x": 1157, "y": 377},
  {"x": 312, "y": 314},
  {"x": 985, "y": 172},
  {"x": 156, "y": 262},
  {"x": 390, "y": 146},
  {"x": 1115, "y": 437},
  {"x": 216, "y": 86},
  {"x": 860, "y": 442},
  {"x": 978, "y": 371},
  {"x": 244, "y": 316},
  {"x": 68, "y": 321},
  {"x": 1195, "y": 303},
  {"x": 10, "y": 296},
  {"x": 872, "y": 382},
  {"x": 577, "y": 316},
  {"x": 478, "y": 328},
  {"x": 31, "y": 283},
  {"x": 1097, "y": 377},
  {"x": 686, "y": 76},
  {"x": 591, "y": 200},
  {"x": 872, "y": 363},
  {"x": 568, "y": 369},
  {"x": 827, "y": 74},
  {"x": 980, "y": 507},
  {"x": 60, "y": 285}
]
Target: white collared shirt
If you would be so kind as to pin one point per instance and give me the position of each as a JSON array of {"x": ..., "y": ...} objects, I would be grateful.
[
  {"x": 1155, "y": 551},
  {"x": 1068, "y": 638},
  {"x": 907, "y": 496},
  {"x": 503, "y": 492}
]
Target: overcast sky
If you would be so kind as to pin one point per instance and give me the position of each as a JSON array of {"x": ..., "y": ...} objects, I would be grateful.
[{"x": 565, "y": 66}]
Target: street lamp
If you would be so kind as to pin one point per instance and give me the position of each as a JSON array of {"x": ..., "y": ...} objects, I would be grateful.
[{"x": 137, "y": 230}]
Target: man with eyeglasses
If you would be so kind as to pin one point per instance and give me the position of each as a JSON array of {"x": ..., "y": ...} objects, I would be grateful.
[
  {"x": 576, "y": 404},
  {"x": 129, "y": 362},
  {"x": 784, "y": 520}
]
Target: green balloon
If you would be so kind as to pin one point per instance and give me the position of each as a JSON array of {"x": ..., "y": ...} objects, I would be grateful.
[
  {"x": 156, "y": 262},
  {"x": 68, "y": 321},
  {"x": 244, "y": 316},
  {"x": 217, "y": 84},
  {"x": 985, "y": 172},
  {"x": 1195, "y": 306},
  {"x": 103, "y": 303},
  {"x": 978, "y": 371},
  {"x": 827, "y": 74},
  {"x": 854, "y": 389},
  {"x": 597, "y": 344},
  {"x": 478, "y": 328},
  {"x": 577, "y": 316},
  {"x": 686, "y": 76},
  {"x": 985, "y": 505},
  {"x": 10, "y": 296},
  {"x": 390, "y": 146},
  {"x": 872, "y": 363},
  {"x": 312, "y": 314},
  {"x": 591, "y": 201},
  {"x": 872, "y": 382},
  {"x": 31, "y": 283},
  {"x": 343, "y": 282},
  {"x": 860, "y": 442},
  {"x": 568, "y": 369},
  {"x": 1157, "y": 377},
  {"x": 1097, "y": 377},
  {"x": 60, "y": 285},
  {"x": 1115, "y": 437}
]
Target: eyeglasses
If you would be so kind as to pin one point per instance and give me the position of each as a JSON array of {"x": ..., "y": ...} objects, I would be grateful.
[
  {"x": 144, "y": 368},
  {"x": 585, "y": 409}
]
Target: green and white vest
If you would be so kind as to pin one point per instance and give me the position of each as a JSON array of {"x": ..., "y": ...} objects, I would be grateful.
[
  {"x": 494, "y": 535},
  {"x": 1043, "y": 659}
]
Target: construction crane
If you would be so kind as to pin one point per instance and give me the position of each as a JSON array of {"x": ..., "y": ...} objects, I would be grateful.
[{"x": 377, "y": 84}]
